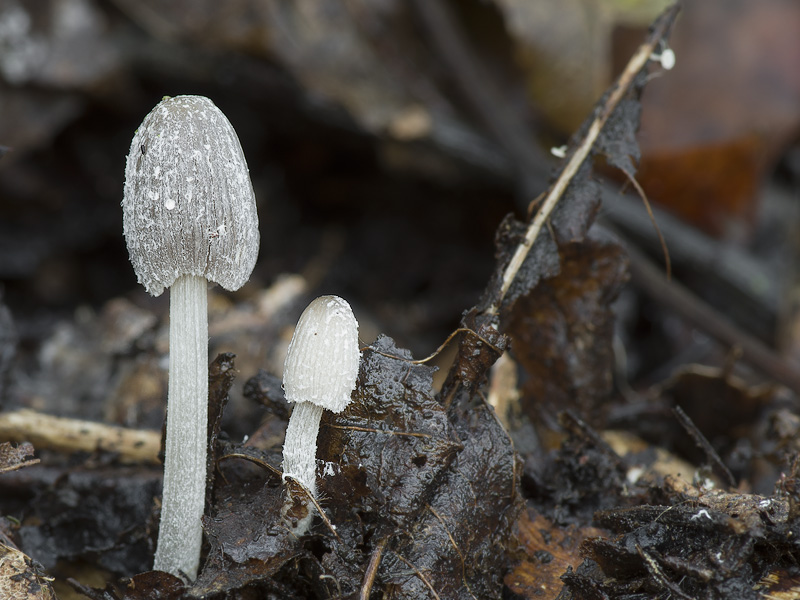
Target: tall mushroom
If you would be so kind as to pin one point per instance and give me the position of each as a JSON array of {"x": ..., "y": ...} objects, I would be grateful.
[
  {"x": 189, "y": 217},
  {"x": 320, "y": 372}
]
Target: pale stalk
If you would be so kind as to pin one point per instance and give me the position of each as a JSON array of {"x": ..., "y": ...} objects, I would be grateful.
[
  {"x": 300, "y": 447},
  {"x": 180, "y": 534}
]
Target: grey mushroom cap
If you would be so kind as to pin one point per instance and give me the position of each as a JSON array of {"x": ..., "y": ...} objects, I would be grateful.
[
  {"x": 322, "y": 361},
  {"x": 188, "y": 206}
]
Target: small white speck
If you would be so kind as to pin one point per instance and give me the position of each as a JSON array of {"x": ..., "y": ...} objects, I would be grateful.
[
  {"x": 666, "y": 58},
  {"x": 169, "y": 204},
  {"x": 765, "y": 503},
  {"x": 634, "y": 474},
  {"x": 558, "y": 151},
  {"x": 702, "y": 513}
]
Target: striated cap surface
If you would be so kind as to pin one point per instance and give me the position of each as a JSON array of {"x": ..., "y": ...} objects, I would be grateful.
[
  {"x": 322, "y": 361},
  {"x": 188, "y": 206}
]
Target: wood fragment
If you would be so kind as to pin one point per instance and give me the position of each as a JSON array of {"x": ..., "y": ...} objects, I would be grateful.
[
  {"x": 76, "y": 435},
  {"x": 372, "y": 569}
]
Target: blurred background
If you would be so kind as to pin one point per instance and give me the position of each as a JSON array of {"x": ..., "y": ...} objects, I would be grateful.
[{"x": 386, "y": 141}]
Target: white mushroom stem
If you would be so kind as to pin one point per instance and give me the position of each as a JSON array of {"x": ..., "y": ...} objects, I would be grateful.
[
  {"x": 320, "y": 372},
  {"x": 300, "y": 448},
  {"x": 183, "y": 498}
]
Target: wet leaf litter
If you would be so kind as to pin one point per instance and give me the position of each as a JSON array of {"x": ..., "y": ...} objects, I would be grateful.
[{"x": 426, "y": 494}]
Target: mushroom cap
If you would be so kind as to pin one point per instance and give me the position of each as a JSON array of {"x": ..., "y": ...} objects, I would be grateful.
[
  {"x": 322, "y": 361},
  {"x": 188, "y": 206}
]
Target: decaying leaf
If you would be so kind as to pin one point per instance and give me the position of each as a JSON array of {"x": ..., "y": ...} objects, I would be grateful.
[
  {"x": 549, "y": 551},
  {"x": 459, "y": 544},
  {"x": 394, "y": 442},
  {"x": 700, "y": 545},
  {"x": 562, "y": 331},
  {"x": 16, "y": 457},
  {"x": 248, "y": 542},
  {"x": 150, "y": 585},
  {"x": 421, "y": 481},
  {"x": 21, "y": 578}
]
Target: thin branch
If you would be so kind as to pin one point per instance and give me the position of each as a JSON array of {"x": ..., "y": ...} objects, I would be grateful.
[
  {"x": 665, "y": 251},
  {"x": 703, "y": 443},
  {"x": 19, "y": 465},
  {"x": 556, "y": 192},
  {"x": 372, "y": 569},
  {"x": 306, "y": 492},
  {"x": 458, "y": 550},
  {"x": 441, "y": 347},
  {"x": 659, "y": 576},
  {"x": 370, "y": 430},
  {"x": 253, "y": 459},
  {"x": 481, "y": 93},
  {"x": 676, "y": 297},
  {"x": 419, "y": 574}
]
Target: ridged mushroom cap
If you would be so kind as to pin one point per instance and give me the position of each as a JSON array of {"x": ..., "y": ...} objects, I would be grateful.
[
  {"x": 188, "y": 206},
  {"x": 322, "y": 361}
]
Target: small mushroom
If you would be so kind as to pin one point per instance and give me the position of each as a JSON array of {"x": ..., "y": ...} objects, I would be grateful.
[
  {"x": 189, "y": 217},
  {"x": 320, "y": 372}
]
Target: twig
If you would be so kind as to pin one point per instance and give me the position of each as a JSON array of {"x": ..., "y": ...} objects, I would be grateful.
[
  {"x": 659, "y": 576},
  {"x": 556, "y": 192},
  {"x": 676, "y": 297},
  {"x": 457, "y": 549},
  {"x": 703, "y": 443},
  {"x": 74, "y": 435},
  {"x": 19, "y": 465},
  {"x": 253, "y": 459},
  {"x": 386, "y": 431},
  {"x": 372, "y": 569},
  {"x": 753, "y": 281},
  {"x": 420, "y": 575},
  {"x": 307, "y": 493},
  {"x": 442, "y": 346},
  {"x": 665, "y": 251}
]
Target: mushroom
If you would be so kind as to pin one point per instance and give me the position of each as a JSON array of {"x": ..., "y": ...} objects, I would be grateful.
[
  {"x": 189, "y": 218},
  {"x": 320, "y": 372}
]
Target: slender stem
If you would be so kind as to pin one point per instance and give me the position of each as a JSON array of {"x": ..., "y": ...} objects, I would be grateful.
[
  {"x": 300, "y": 447},
  {"x": 180, "y": 534}
]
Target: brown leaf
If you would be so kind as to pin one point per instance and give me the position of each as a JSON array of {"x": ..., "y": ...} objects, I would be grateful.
[
  {"x": 562, "y": 331},
  {"x": 458, "y": 545},
  {"x": 549, "y": 551},
  {"x": 248, "y": 543},
  {"x": 713, "y": 127},
  {"x": 393, "y": 443},
  {"x": 16, "y": 457},
  {"x": 21, "y": 578}
]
